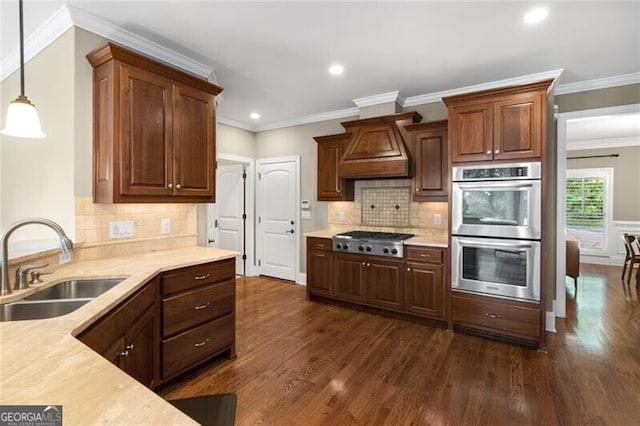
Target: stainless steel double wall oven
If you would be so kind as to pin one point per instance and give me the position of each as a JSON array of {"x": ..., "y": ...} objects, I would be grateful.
[{"x": 496, "y": 230}]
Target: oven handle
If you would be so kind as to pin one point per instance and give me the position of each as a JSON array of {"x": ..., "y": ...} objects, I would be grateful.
[
  {"x": 489, "y": 186},
  {"x": 511, "y": 244}
]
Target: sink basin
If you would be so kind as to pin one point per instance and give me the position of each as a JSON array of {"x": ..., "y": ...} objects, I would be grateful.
[
  {"x": 76, "y": 289},
  {"x": 19, "y": 311}
]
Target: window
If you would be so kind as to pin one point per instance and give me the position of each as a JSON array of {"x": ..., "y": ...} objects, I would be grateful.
[{"x": 588, "y": 203}]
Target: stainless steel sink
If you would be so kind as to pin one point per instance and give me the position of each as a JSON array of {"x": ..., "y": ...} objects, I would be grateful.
[
  {"x": 20, "y": 311},
  {"x": 76, "y": 289}
]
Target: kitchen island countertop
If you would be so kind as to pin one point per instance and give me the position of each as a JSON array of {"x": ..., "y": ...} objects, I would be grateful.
[{"x": 42, "y": 363}]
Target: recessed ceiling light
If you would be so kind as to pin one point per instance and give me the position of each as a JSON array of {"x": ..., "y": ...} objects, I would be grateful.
[
  {"x": 336, "y": 69},
  {"x": 254, "y": 116},
  {"x": 536, "y": 15}
]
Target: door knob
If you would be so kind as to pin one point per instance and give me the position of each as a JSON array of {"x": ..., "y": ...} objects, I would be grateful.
[{"x": 290, "y": 232}]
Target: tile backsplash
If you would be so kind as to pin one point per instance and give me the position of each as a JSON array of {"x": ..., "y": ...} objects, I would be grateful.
[{"x": 385, "y": 194}]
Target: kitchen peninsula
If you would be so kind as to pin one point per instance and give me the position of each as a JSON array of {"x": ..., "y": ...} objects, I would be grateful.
[{"x": 42, "y": 362}]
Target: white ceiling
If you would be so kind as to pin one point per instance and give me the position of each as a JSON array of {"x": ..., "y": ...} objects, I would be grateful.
[{"x": 272, "y": 57}]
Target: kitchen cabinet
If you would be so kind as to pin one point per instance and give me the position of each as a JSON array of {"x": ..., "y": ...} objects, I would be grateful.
[
  {"x": 374, "y": 281},
  {"x": 126, "y": 336},
  {"x": 198, "y": 315},
  {"x": 430, "y": 152},
  {"x": 330, "y": 187},
  {"x": 425, "y": 283},
  {"x": 519, "y": 321},
  {"x": 498, "y": 124},
  {"x": 319, "y": 266},
  {"x": 154, "y": 131}
]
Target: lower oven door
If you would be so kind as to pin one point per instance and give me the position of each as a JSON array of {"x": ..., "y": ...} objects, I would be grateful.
[{"x": 504, "y": 268}]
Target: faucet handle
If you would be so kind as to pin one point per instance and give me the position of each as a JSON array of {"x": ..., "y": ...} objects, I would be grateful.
[
  {"x": 22, "y": 273},
  {"x": 35, "y": 276}
]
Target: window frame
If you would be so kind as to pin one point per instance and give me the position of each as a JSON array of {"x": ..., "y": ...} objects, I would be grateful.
[{"x": 607, "y": 174}]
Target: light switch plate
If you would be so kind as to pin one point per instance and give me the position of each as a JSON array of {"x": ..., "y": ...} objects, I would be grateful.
[
  {"x": 122, "y": 229},
  {"x": 341, "y": 216},
  {"x": 165, "y": 226},
  {"x": 437, "y": 219}
]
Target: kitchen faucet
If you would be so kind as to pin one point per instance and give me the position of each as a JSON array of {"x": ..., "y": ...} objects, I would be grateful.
[{"x": 65, "y": 244}]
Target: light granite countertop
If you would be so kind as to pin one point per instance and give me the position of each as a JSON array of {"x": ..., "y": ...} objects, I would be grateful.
[
  {"x": 418, "y": 240},
  {"x": 42, "y": 363}
]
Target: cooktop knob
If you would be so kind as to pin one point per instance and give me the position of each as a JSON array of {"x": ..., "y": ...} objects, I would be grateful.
[
  {"x": 394, "y": 251},
  {"x": 339, "y": 246},
  {"x": 368, "y": 248},
  {"x": 345, "y": 246},
  {"x": 385, "y": 250},
  {"x": 361, "y": 248}
]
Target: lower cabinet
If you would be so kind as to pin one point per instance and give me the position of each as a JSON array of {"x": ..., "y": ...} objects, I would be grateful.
[
  {"x": 175, "y": 322},
  {"x": 127, "y": 335},
  {"x": 415, "y": 286},
  {"x": 506, "y": 318}
]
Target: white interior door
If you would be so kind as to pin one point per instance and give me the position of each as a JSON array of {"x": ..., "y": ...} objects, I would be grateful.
[
  {"x": 277, "y": 198},
  {"x": 229, "y": 225}
]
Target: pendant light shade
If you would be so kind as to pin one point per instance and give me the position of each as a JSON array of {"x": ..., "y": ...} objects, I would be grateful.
[
  {"x": 22, "y": 120},
  {"x": 22, "y": 117}
]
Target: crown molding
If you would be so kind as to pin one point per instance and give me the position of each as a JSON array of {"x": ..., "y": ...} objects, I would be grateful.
[
  {"x": 382, "y": 98},
  {"x": 602, "y": 143},
  {"x": 599, "y": 83},
  {"x": 56, "y": 25},
  {"x": 314, "y": 118},
  {"x": 234, "y": 123},
  {"x": 525, "y": 79},
  {"x": 133, "y": 41}
]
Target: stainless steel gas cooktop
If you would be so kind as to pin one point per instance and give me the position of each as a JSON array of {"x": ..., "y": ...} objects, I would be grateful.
[{"x": 374, "y": 243}]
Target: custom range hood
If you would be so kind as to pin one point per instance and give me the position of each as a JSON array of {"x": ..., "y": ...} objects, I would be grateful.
[{"x": 377, "y": 147}]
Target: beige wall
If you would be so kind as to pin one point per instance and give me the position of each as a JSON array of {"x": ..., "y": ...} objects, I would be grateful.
[
  {"x": 38, "y": 174},
  {"x": 602, "y": 98},
  {"x": 235, "y": 141},
  {"x": 626, "y": 180}
]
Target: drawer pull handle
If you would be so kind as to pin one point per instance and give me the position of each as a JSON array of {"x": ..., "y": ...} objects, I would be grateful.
[
  {"x": 205, "y": 306},
  {"x": 492, "y": 316},
  {"x": 202, "y": 277},
  {"x": 201, "y": 344},
  {"x": 424, "y": 255}
]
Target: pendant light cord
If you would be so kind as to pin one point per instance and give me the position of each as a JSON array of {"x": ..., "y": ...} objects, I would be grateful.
[{"x": 21, "y": 53}]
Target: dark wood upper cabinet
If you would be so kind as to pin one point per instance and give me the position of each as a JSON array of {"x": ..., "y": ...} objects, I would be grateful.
[
  {"x": 430, "y": 150},
  {"x": 330, "y": 187},
  {"x": 499, "y": 124},
  {"x": 154, "y": 131}
]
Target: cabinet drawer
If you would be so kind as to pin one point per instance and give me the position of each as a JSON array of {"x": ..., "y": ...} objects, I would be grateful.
[
  {"x": 314, "y": 243},
  {"x": 117, "y": 322},
  {"x": 197, "y": 276},
  {"x": 424, "y": 254},
  {"x": 187, "y": 349},
  {"x": 497, "y": 317},
  {"x": 197, "y": 306}
]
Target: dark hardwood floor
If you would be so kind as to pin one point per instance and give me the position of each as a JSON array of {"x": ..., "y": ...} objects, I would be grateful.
[{"x": 308, "y": 363}]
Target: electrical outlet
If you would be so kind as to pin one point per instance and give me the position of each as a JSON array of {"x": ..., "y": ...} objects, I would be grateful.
[
  {"x": 341, "y": 216},
  {"x": 165, "y": 226},
  {"x": 437, "y": 219},
  {"x": 123, "y": 229}
]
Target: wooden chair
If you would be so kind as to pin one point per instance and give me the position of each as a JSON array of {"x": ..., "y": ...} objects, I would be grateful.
[{"x": 632, "y": 257}]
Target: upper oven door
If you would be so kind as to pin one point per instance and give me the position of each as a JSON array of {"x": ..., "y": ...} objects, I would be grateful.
[{"x": 508, "y": 209}]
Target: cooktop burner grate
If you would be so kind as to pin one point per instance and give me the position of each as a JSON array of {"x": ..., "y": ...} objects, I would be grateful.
[{"x": 370, "y": 235}]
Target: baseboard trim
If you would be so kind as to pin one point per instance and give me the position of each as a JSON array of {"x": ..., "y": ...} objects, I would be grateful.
[
  {"x": 302, "y": 278},
  {"x": 550, "y": 324}
]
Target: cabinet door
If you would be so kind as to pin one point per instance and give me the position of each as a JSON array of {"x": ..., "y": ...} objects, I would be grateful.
[
  {"x": 425, "y": 290},
  {"x": 518, "y": 126},
  {"x": 432, "y": 168},
  {"x": 146, "y": 159},
  {"x": 385, "y": 283},
  {"x": 319, "y": 272},
  {"x": 348, "y": 277},
  {"x": 139, "y": 347},
  {"x": 330, "y": 187},
  {"x": 194, "y": 143},
  {"x": 471, "y": 132}
]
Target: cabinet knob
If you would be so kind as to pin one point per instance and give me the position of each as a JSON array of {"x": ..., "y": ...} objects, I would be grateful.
[
  {"x": 489, "y": 152},
  {"x": 124, "y": 354},
  {"x": 408, "y": 269},
  {"x": 129, "y": 347},
  {"x": 417, "y": 189},
  {"x": 170, "y": 186},
  {"x": 496, "y": 152},
  {"x": 178, "y": 186}
]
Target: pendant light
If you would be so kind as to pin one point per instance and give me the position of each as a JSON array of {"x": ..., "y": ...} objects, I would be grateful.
[{"x": 22, "y": 117}]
